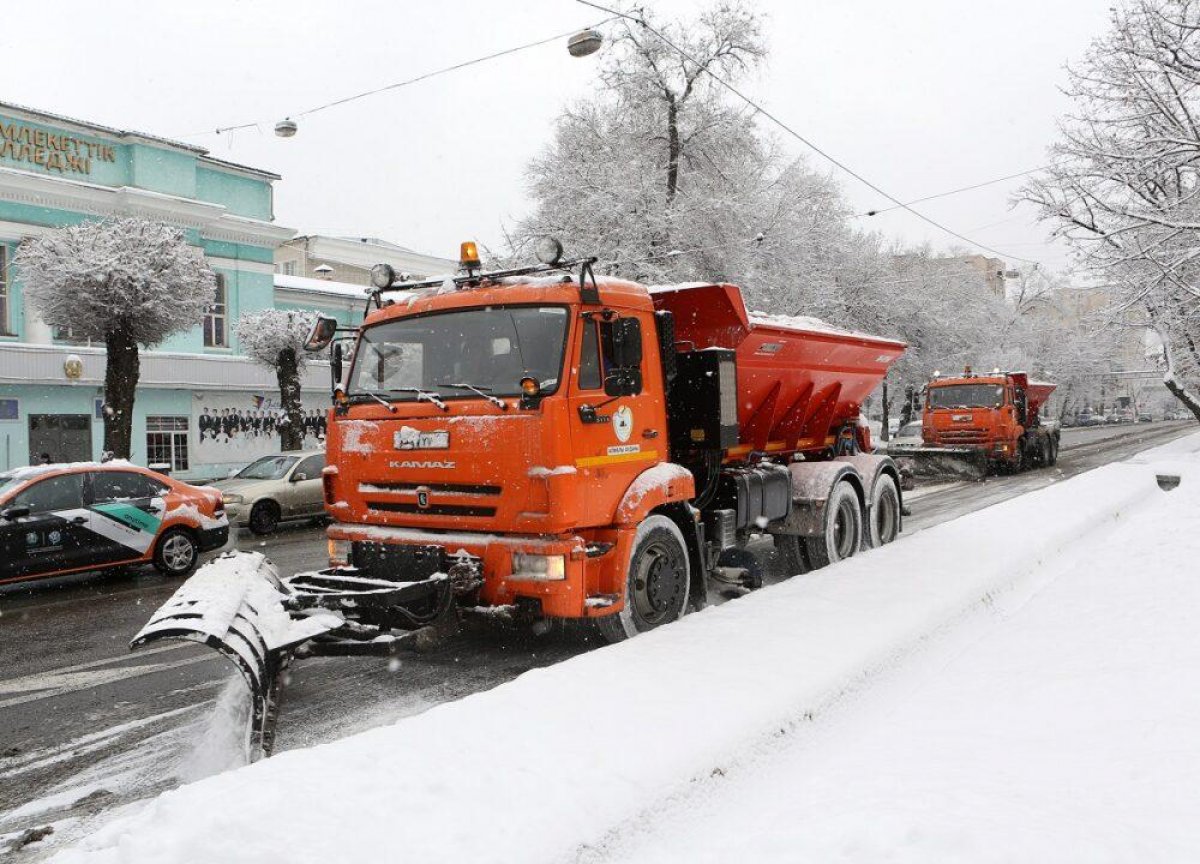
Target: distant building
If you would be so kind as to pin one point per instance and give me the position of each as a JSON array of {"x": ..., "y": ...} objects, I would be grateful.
[{"x": 350, "y": 259}]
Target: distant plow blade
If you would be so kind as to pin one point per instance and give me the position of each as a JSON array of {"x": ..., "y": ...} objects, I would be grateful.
[
  {"x": 944, "y": 463},
  {"x": 237, "y": 605}
]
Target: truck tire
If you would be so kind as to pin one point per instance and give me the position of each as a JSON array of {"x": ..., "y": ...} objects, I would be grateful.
[
  {"x": 743, "y": 559},
  {"x": 1051, "y": 450},
  {"x": 885, "y": 512},
  {"x": 656, "y": 587},
  {"x": 793, "y": 554},
  {"x": 843, "y": 533}
]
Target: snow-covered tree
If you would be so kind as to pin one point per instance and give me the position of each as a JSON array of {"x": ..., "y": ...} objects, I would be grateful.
[
  {"x": 124, "y": 282},
  {"x": 275, "y": 338},
  {"x": 1124, "y": 186}
]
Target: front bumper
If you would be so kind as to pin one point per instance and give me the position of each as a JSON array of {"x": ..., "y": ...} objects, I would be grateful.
[
  {"x": 592, "y": 583},
  {"x": 238, "y": 514},
  {"x": 213, "y": 538}
]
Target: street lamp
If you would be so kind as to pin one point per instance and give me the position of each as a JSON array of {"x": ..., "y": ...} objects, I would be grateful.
[
  {"x": 585, "y": 42},
  {"x": 286, "y": 127}
]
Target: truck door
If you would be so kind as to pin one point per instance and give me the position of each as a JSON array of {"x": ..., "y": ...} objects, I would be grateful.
[{"x": 614, "y": 437}]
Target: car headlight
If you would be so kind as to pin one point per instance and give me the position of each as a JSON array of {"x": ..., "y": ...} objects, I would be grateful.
[
  {"x": 541, "y": 567},
  {"x": 230, "y": 498}
]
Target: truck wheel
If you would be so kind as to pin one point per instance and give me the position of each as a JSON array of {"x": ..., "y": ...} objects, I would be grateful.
[
  {"x": 793, "y": 553},
  {"x": 885, "y": 512},
  {"x": 264, "y": 518},
  {"x": 656, "y": 588},
  {"x": 843, "y": 528},
  {"x": 176, "y": 552},
  {"x": 1051, "y": 451}
]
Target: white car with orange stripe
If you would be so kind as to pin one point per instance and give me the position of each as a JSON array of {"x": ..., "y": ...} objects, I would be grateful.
[{"x": 57, "y": 519}]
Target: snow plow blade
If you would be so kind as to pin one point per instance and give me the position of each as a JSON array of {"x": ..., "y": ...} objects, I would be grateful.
[
  {"x": 237, "y": 605},
  {"x": 943, "y": 463}
]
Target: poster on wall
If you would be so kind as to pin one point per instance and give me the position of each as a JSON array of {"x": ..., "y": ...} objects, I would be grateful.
[{"x": 230, "y": 428}]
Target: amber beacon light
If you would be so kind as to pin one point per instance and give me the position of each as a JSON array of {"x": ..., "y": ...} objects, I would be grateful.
[{"x": 468, "y": 256}]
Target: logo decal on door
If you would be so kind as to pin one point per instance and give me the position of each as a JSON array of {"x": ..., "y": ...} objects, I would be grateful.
[{"x": 622, "y": 423}]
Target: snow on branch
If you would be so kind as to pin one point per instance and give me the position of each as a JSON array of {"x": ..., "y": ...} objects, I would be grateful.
[
  {"x": 118, "y": 274},
  {"x": 266, "y": 335}
]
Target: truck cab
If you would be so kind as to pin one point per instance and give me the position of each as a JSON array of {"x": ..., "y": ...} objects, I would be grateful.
[{"x": 995, "y": 414}]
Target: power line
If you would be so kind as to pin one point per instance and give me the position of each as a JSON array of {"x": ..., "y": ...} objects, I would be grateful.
[
  {"x": 457, "y": 66},
  {"x": 954, "y": 191},
  {"x": 802, "y": 139}
]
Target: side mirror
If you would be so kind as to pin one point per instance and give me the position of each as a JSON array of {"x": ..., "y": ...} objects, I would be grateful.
[
  {"x": 627, "y": 343},
  {"x": 623, "y": 382},
  {"x": 321, "y": 333},
  {"x": 335, "y": 364},
  {"x": 12, "y": 513},
  {"x": 298, "y": 476}
]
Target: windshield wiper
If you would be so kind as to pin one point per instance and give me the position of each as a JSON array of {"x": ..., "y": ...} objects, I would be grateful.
[
  {"x": 422, "y": 396},
  {"x": 478, "y": 391},
  {"x": 386, "y": 404}
]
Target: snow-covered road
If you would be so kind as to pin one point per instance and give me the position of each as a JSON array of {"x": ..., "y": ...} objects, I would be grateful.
[
  {"x": 1009, "y": 684},
  {"x": 1057, "y": 724}
]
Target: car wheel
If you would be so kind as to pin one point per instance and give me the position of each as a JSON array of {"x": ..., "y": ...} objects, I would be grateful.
[
  {"x": 656, "y": 588},
  {"x": 176, "y": 552},
  {"x": 264, "y": 518}
]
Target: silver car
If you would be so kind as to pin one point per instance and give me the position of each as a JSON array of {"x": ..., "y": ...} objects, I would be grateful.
[{"x": 275, "y": 489}]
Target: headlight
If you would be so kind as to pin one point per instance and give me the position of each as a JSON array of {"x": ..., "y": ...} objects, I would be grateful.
[
  {"x": 541, "y": 567},
  {"x": 339, "y": 552},
  {"x": 230, "y": 498}
]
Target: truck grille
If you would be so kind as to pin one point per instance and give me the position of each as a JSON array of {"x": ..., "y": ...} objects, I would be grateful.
[
  {"x": 410, "y": 486},
  {"x": 432, "y": 509},
  {"x": 963, "y": 436}
]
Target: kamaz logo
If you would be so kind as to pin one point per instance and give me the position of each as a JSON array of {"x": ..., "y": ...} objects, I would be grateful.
[{"x": 448, "y": 466}]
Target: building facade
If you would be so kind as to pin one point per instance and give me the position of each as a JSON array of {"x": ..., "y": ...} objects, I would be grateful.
[
  {"x": 202, "y": 408},
  {"x": 350, "y": 259}
]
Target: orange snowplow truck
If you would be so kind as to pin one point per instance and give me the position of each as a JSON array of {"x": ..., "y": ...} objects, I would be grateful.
[
  {"x": 976, "y": 424},
  {"x": 560, "y": 445}
]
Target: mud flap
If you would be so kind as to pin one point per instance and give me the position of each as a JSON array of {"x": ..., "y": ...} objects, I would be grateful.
[
  {"x": 237, "y": 605},
  {"x": 943, "y": 463}
]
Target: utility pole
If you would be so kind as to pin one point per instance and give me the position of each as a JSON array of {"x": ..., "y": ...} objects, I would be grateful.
[{"x": 883, "y": 433}]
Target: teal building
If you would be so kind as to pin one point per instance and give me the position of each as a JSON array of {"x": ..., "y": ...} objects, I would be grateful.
[{"x": 57, "y": 171}]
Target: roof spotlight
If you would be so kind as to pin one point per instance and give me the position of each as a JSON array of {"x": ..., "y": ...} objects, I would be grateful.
[
  {"x": 286, "y": 127},
  {"x": 382, "y": 275},
  {"x": 548, "y": 250}
]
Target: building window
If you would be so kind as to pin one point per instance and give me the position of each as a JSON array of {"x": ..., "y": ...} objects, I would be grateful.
[
  {"x": 167, "y": 442},
  {"x": 5, "y": 328},
  {"x": 215, "y": 335},
  {"x": 289, "y": 268}
]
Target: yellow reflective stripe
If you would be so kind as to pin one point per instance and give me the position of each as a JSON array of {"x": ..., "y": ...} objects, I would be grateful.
[{"x": 592, "y": 461}]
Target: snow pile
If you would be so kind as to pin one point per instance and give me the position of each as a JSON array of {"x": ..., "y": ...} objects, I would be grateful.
[{"x": 557, "y": 763}]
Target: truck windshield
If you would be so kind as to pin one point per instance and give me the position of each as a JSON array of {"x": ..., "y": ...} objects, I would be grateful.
[
  {"x": 490, "y": 348},
  {"x": 967, "y": 396}
]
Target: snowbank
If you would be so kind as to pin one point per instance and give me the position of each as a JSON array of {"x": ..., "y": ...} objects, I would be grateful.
[{"x": 553, "y": 762}]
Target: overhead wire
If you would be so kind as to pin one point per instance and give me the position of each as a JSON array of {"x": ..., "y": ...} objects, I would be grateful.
[
  {"x": 957, "y": 191},
  {"x": 799, "y": 137},
  {"x": 423, "y": 77}
]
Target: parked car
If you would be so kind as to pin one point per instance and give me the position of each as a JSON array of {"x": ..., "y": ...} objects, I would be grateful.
[
  {"x": 907, "y": 437},
  {"x": 1145, "y": 417},
  {"x": 275, "y": 489},
  {"x": 58, "y": 519}
]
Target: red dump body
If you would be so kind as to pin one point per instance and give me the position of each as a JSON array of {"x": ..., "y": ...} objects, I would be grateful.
[
  {"x": 799, "y": 381},
  {"x": 1036, "y": 392}
]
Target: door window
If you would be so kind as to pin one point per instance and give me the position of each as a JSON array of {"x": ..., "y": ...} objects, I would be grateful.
[
  {"x": 589, "y": 359},
  {"x": 122, "y": 486},
  {"x": 64, "y": 492},
  {"x": 310, "y": 467}
]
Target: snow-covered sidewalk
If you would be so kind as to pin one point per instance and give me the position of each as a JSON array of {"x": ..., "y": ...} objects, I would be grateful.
[{"x": 1045, "y": 716}]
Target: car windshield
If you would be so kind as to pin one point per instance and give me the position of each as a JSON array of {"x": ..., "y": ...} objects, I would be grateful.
[
  {"x": 268, "y": 468},
  {"x": 490, "y": 348},
  {"x": 967, "y": 396}
]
